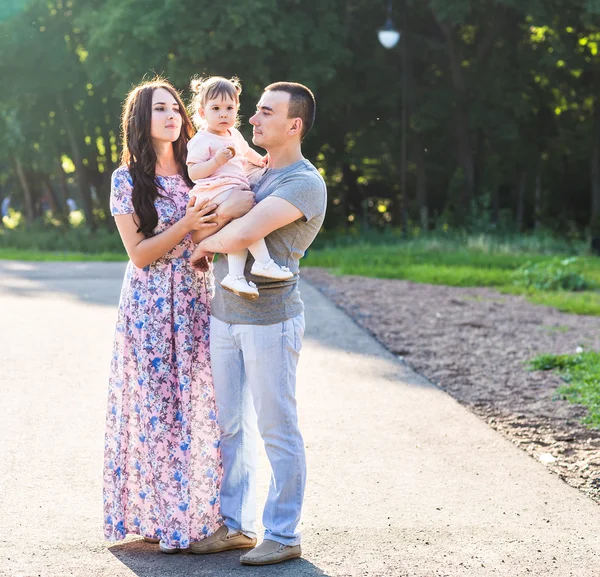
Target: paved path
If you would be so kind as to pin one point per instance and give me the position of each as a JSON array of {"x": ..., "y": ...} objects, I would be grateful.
[{"x": 402, "y": 480}]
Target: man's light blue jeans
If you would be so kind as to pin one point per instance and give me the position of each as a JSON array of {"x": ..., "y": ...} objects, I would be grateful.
[{"x": 254, "y": 371}]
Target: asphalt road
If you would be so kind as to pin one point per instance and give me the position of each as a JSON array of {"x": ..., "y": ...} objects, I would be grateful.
[{"x": 403, "y": 481}]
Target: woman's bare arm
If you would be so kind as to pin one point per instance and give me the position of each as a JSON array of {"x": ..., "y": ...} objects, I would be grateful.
[{"x": 143, "y": 251}]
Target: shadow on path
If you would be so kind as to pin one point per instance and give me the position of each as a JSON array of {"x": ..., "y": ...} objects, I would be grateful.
[
  {"x": 97, "y": 283},
  {"x": 145, "y": 560}
]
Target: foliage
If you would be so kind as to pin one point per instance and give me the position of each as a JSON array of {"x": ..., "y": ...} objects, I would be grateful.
[
  {"x": 12, "y": 219},
  {"x": 552, "y": 276},
  {"x": 581, "y": 372},
  {"x": 503, "y": 122}
]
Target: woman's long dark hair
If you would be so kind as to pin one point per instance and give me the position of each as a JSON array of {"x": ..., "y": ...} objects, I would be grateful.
[{"x": 139, "y": 155}]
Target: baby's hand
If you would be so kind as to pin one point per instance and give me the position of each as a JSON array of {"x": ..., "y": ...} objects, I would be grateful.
[
  {"x": 201, "y": 264},
  {"x": 264, "y": 160},
  {"x": 225, "y": 154},
  {"x": 201, "y": 260}
]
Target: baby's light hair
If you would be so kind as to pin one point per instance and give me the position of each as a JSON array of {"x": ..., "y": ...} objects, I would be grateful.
[{"x": 212, "y": 87}]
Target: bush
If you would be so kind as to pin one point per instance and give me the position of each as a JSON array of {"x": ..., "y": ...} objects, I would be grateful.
[
  {"x": 553, "y": 276},
  {"x": 548, "y": 362}
]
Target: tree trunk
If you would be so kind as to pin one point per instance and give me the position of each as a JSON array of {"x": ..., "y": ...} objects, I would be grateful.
[
  {"x": 479, "y": 152},
  {"x": 485, "y": 43},
  {"x": 401, "y": 203},
  {"x": 81, "y": 172},
  {"x": 421, "y": 182},
  {"x": 595, "y": 184},
  {"x": 62, "y": 181},
  {"x": 110, "y": 165},
  {"x": 29, "y": 205},
  {"x": 416, "y": 137},
  {"x": 104, "y": 188},
  {"x": 59, "y": 206},
  {"x": 521, "y": 188},
  {"x": 461, "y": 121},
  {"x": 465, "y": 155},
  {"x": 353, "y": 193},
  {"x": 537, "y": 206},
  {"x": 595, "y": 173}
]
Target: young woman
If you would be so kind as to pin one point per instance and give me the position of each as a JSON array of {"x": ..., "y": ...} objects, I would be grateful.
[{"x": 162, "y": 467}]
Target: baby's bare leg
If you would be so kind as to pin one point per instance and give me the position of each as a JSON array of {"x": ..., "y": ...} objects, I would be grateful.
[
  {"x": 199, "y": 260},
  {"x": 229, "y": 205},
  {"x": 236, "y": 261}
]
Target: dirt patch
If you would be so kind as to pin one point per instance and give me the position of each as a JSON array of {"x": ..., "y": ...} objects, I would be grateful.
[{"x": 474, "y": 343}]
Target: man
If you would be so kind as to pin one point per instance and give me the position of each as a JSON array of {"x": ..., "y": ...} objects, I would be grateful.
[{"x": 255, "y": 344}]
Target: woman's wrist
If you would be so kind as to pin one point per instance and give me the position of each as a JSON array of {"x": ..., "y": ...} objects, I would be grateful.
[{"x": 183, "y": 226}]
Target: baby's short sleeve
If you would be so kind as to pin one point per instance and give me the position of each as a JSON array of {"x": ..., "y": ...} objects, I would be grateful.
[
  {"x": 198, "y": 149},
  {"x": 121, "y": 189}
]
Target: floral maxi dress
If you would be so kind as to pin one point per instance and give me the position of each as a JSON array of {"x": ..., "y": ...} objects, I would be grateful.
[{"x": 162, "y": 462}]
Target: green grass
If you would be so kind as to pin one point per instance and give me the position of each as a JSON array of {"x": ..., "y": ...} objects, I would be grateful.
[
  {"x": 581, "y": 372},
  {"x": 544, "y": 243},
  {"x": 517, "y": 264},
  {"x": 464, "y": 263},
  {"x": 556, "y": 329},
  {"x": 582, "y": 303},
  {"x": 45, "y": 256}
]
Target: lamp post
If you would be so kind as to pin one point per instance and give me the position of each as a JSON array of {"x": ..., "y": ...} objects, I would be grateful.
[{"x": 389, "y": 37}]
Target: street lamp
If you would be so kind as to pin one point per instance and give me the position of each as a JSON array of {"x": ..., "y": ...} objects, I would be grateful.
[{"x": 389, "y": 37}]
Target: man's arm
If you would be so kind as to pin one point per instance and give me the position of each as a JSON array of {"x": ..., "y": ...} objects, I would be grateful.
[{"x": 267, "y": 216}]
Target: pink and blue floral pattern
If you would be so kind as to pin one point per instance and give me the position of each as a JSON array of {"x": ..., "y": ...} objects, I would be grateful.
[{"x": 162, "y": 469}]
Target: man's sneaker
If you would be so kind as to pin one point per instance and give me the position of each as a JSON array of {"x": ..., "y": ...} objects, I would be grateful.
[
  {"x": 270, "y": 552},
  {"x": 271, "y": 269},
  {"x": 240, "y": 286},
  {"x": 222, "y": 540}
]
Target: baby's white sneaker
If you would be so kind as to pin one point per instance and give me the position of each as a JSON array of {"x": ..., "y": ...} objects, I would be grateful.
[
  {"x": 271, "y": 269},
  {"x": 240, "y": 286}
]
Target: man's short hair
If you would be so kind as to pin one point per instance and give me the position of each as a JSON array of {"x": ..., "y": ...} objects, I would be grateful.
[{"x": 302, "y": 103}]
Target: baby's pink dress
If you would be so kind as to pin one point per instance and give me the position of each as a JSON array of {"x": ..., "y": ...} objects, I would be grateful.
[{"x": 202, "y": 147}]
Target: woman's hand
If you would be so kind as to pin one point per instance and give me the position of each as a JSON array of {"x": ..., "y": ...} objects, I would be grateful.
[
  {"x": 239, "y": 203},
  {"x": 199, "y": 217}
]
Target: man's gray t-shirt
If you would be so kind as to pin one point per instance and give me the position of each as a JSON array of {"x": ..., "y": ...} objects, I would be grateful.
[{"x": 303, "y": 186}]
